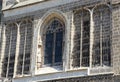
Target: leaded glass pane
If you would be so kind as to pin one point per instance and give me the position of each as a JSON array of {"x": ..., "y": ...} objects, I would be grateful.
[
  {"x": 58, "y": 47},
  {"x": 48, "y": 49},
  {"x": 85, "y": 43}
]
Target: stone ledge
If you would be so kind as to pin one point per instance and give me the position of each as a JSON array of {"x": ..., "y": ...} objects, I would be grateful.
[
  {"x": 52, "y": 76},
  {"x": 100, "y": 70}
]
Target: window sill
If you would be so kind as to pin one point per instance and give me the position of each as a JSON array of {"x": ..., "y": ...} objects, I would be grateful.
[
  {"x": 100, "y": 70},
  {"x": 48, "y": 69},
  {"x": 61, "y": 74},
  {"x": 78, "y": 68},
  {"x": 53, "y": 75},
  {"x": 22, "y": 76}
]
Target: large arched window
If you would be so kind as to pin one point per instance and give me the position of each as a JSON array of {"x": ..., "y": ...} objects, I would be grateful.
[{"x": 54, "y": 43}]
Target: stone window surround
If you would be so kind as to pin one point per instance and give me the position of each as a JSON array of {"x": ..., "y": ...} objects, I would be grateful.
[{"x": 46, "y": 18}]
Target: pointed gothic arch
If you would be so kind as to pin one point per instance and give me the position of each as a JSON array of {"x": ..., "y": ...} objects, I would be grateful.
[
  {"x": 53, "y": 38},
  {"x": 53, "y": 25}
]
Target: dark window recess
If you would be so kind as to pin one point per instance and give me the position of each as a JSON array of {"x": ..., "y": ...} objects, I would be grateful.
[
  {"x": 85, "y": 43},
  {"x": 58, "y": 46},
  {"x": 49, "y": 49},
  {"x": 54, "y": 43}
]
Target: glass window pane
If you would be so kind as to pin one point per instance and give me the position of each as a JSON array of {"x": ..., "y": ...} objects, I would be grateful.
[
  {"x": 48, "y": 49},
  {"x": 58, "y": 47}
]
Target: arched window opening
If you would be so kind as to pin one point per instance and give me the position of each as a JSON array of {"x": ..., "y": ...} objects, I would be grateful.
[
  {"x": 102, "y": 37},
  {"x": 54, "y": 43},
  {"x": 80, "y": 54},
  {"x": 10, "y": 50},
  {"x": 26, "y": 31}
]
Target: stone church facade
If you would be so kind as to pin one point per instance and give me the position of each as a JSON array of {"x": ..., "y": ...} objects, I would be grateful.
[{"x": 60, "y": 41}]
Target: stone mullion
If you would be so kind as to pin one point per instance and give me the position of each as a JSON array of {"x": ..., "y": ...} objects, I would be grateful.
[
  {"x": 17, "y": 50},
  {"x": 81, "y": 35},
  {"x": 9, "y": 52},
  {"x": 91, "y": 37},
  {"x": 67, "y": 30},
  {"x": 36, "y": 58},
  {"x": 54, "y": 44},
  {"x": 2, "y": 48},
  {"x": 65, "y": 66},
  {"x": 72, "y": 30},
  {"x": 101, "y": 61},
  {"x": 111, "y": 61},
  {"x": 33, "y": 46}
]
